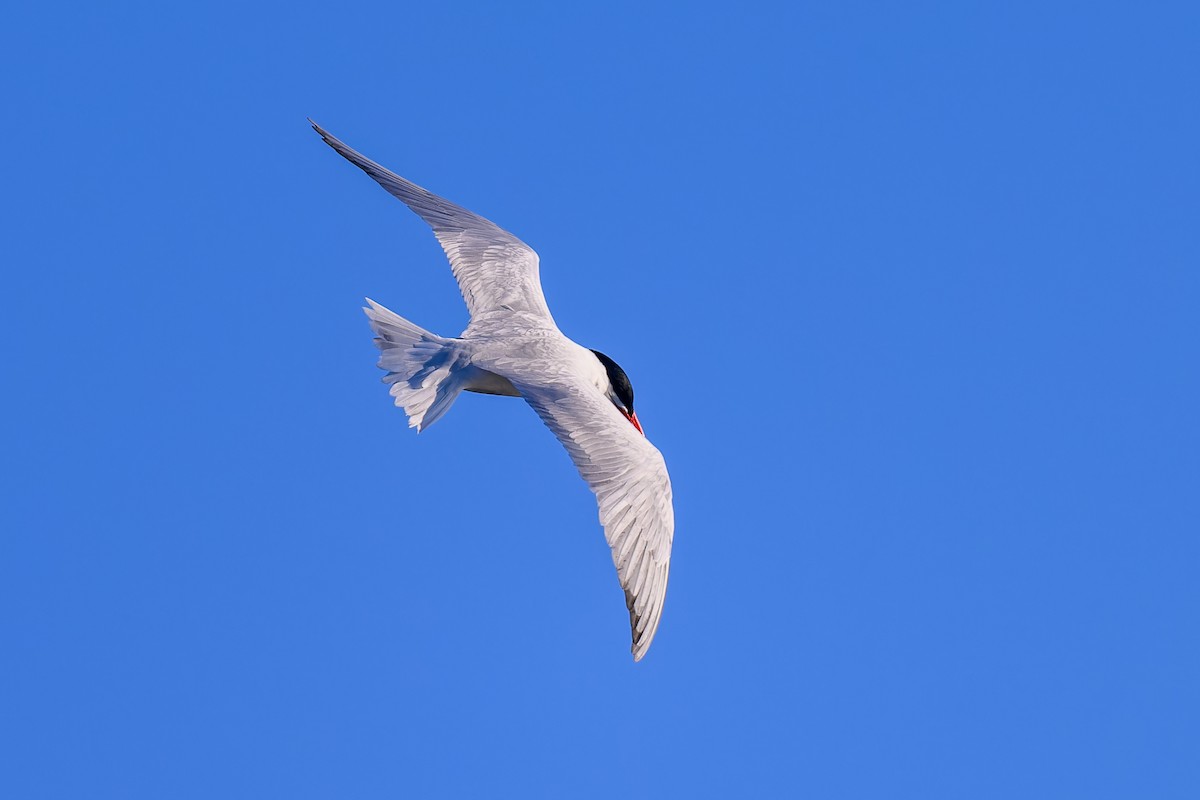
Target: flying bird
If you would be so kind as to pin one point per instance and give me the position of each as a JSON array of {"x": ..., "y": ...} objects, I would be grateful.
[{"x": 513, "y": 347}]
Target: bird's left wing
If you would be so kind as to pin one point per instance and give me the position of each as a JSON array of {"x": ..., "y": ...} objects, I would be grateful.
[
  {"x": 494, "y": 269},
  {"x": 629, "y": 477}
]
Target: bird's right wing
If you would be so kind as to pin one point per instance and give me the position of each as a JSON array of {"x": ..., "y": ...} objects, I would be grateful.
[
  {"x": 494, "y": 269},
  {"x": 630, "y": 481}
]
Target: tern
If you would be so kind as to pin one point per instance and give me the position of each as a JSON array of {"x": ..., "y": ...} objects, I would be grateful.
[{"x": 513, "y": 347}]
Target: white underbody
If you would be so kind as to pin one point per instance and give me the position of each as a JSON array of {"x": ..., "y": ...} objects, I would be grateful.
[{"x": 526, "y": 352}]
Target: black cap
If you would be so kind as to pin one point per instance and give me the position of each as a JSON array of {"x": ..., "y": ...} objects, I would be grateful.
[{"x": 619, "y": 380}]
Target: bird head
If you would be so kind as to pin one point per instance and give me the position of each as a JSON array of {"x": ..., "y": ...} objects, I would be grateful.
[{"x": 619, "y": 390}]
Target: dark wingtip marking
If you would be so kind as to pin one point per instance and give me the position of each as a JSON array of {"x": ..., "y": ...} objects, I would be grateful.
[{"x": 633, "y": 621}]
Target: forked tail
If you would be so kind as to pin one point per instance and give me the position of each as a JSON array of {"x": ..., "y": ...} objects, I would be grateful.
[{"x": 426, "y": 371}]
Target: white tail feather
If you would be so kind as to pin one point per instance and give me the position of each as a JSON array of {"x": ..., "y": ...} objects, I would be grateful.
[{"x": 426, "y": 371}]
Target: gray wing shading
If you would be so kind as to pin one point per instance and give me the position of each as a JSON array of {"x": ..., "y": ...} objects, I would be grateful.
[
  {"x": 629, "y": 477},
  {"x": 494, "y": 269}
]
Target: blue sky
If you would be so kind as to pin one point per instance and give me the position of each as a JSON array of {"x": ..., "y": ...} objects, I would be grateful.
[{"x": 908, "y": 293}]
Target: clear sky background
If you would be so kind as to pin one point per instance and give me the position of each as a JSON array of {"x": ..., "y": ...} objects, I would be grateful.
[{"x": 909, "y": 295}]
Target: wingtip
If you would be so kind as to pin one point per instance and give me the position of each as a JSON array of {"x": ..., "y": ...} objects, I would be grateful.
[
  {"x": 325, "y": 135},
  {"x": 638, "y": 647}
]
